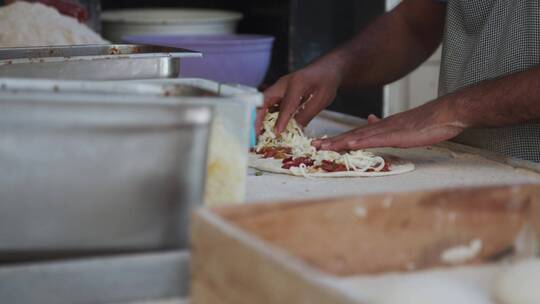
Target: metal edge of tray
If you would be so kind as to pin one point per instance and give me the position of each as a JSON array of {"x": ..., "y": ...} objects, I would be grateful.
[
  {"x": 9, "y": 56},
  {"x": 447, "y": 145},
  {"x": 133, "y": 278},
  {"x": 199, "y": 112},
  {"x": 157, "y": 88},
  {"x": 250, "y": 94},
  {"x": 113, "y": 88}
]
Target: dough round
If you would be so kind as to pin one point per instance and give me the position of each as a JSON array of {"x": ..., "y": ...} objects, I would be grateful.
[
  {"x": 432, "y": 290},
  {"x": 398, "y": 166},
  {"x": 519, "y": 283}
]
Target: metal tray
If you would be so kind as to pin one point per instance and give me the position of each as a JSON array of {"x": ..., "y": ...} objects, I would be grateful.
[
  {"x": 87, "y": 174},
  {"x": 93, "y": 62},
  {"x": 161, "y": 277},
  {"x": 233, "y": 105}
]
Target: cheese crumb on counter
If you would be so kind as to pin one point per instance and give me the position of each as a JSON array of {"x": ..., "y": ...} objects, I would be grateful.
[
  {"x": 462, "y": 254},
  {"x": 360, "y": 211}
]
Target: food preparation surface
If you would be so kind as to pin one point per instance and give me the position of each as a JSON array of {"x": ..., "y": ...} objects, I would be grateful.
[
  {"x": 143, "y": 278},
  {"x": 467, "y": 280},
  {"x": 435, "y": 168}
]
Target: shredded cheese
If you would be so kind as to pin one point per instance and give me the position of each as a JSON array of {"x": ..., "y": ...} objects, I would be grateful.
[{"x": 293, "y": 137}]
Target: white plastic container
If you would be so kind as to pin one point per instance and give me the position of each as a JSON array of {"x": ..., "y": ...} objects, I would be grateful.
[
  {"x": 120, "y": 23},
  {"x": 230, "y": 132},
  {"x": 230, "y": 136}
]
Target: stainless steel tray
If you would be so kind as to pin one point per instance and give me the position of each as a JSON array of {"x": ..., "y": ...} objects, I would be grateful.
[
  {"x": 142, "y": 278},
  {"x": 233, "y": 106},
  {"x": 86, "y": 174},
  {"x": 93, "y": 62}
]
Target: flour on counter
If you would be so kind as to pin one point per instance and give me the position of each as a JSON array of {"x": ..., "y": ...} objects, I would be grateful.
[
  {"x": 462, "y": 254},
  {"x": 360, "y": 211},
  {"x": 468, "y": 284},
  {"x": 24, "y": 24}
]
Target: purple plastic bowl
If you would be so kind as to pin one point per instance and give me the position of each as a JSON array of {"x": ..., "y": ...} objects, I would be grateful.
[{"x": 242, "y": 59}]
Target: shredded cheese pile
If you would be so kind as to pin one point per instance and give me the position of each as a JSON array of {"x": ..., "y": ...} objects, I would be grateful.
[{"x": 293, "y": 137}]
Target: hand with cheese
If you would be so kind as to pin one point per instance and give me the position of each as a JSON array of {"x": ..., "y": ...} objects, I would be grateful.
[
  {"x": 301, "y": 146},
  {"x": 302, "y": 94},
  {"x": 370, "y": 59}
]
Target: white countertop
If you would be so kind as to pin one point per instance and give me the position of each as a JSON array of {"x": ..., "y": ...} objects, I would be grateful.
[{"x": 435, "y": 168}]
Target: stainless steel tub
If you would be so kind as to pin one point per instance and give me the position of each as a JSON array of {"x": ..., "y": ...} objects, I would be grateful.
[
  {"x": 97, "y": 173},
  {"x": 233, "y": 110},
  {"x": 137, "y": 278},
  {"x": 93, "y": 62}
]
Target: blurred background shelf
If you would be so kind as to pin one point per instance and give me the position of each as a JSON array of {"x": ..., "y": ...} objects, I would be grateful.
[{"x": 303, "y": 31}]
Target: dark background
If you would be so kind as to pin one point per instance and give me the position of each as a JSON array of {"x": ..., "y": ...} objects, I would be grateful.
[{"x": 304, "y": 30}]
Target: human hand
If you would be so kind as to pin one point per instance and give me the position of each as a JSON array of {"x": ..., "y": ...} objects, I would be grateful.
[
  {"x": 302, "y": 94},
  {"x": 429, "y": 124}
]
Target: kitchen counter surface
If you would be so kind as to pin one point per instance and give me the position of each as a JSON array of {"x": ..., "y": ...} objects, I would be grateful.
[{"x": 436, "y": 167}]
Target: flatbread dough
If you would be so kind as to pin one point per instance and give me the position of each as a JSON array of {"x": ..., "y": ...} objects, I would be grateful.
[
  {"x": 398, "y": 166},
  {"x": 299, "y": 144}
]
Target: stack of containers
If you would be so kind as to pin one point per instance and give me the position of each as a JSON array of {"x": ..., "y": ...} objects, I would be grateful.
[
  {"x": 122, "y": 163},
  {"x": 100, "y": 168}
]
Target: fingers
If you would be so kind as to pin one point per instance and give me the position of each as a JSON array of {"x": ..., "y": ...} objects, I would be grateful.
[
  {"x": 261, "y": 112},
  {"x": 389, "y": 136},
  {"x": 276, "y": 91},
  {"x": 350, "y": 140},
  {"x": 340, "y": 142},
  {"x": 289, "y": 105},
  {"x": 272, "y": 96},
  {"x": 373, "y": 119},
  {"x": 388, "y": 139},
  {"x": 311, "y": 107}
]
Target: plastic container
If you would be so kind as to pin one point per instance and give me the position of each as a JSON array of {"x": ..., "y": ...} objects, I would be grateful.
[
  {"x": 232, "y": 134},
  {"x": 120, "y": 23},
  {"x": 242, "y": 59}
]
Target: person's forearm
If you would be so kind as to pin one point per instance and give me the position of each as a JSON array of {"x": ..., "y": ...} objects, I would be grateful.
[
  {"x": 392, "y": 46},
  {"x": 500, "y": 102}
]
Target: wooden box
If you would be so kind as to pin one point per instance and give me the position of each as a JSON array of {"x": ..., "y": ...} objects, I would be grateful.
[{"x": 288, "y": 252}]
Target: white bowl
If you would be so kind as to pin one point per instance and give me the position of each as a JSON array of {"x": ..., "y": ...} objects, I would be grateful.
[{"x": 119, "y": 23}]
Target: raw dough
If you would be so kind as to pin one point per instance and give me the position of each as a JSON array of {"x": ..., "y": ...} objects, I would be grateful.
[
  {"x": 398, "y": 166},
  {"x": 519, "y": 283}
]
